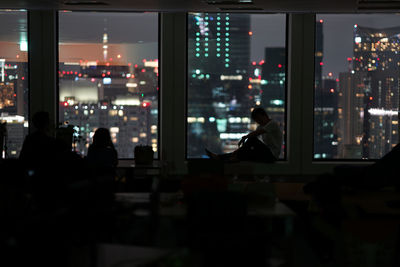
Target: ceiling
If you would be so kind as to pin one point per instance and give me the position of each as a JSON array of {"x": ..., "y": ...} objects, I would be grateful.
[{"x": 301, "y": 6}]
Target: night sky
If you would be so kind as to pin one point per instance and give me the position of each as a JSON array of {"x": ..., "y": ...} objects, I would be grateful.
[{"x": 268, "y": 31}]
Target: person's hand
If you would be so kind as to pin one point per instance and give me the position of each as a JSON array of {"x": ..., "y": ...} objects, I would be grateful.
[{"x": 241, "y": 142}]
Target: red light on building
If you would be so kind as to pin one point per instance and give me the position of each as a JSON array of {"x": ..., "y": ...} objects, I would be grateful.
[
  {"x": 279, "y": 65},
  {"x": 76, "y": 73},
  {"x": 129, "y": 64},
  {"x": 23, "y": 78},
  {"x": 107, "y": 64},
  {"x": 349, "y": 59},
  {"x": 108, "y": 72},
  {"x": 144, "y": 60},
  {"x": 65, "y": 104},
  {"x": 250, "y": 86},
  {"x": 143, "y": 70},
  {"x": 321, "y": 21},
  {"x": 250, "y": 79},
  {"x": 332, "y": 90},
  {"x": 103, "y": 75},
  {"x": 262, "y": 62},
  {"x": 250, "y": 33},
  {"x": 80, "y": 75},
  {"x": 63, "y": 72},
  {"x": 135, "y": 65},
  {"x": 92, "y": 80},
  {"x": 330, "y": 74},
  {"x": 371, "y": 98},
  {"x": 337, "y": 80},
  {"x": 321, "y": 63},
  {"x": 145, "y": 104},
  {"x": 254, "y": 63},
  {"x": 378, "y": 58},
  {"x": 15, "y": 95}
]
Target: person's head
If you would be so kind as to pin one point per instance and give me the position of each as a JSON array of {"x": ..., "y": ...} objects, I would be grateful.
[
  {"x": 260, "y": 116},
  {"x": 41, "y": 121},
  {"x": 102, "y": 138}
]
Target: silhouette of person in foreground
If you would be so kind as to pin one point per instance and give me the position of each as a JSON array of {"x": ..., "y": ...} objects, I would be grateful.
[
  {"x": 261, "y": 145},
  {"x": 102, "y": 153}
]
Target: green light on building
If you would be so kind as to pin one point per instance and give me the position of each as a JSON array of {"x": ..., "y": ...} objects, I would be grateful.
[
  {"x": 218, "y": 39},
  {"x": 206, "y": 44},
  {"x": 206, "y": 39},
  {"x": 197, "y": 49},
  {"x": 197, "y": 39},
  {"x": 206, "y": 54},
  {"x": 218, "y": 49},
  {"x": 227, "y": 34},
  {"x": 227, "y": 39},
  {"x": 226, "y": 55},
  {"x": 218, "y": 55},
  {"x": 197, "y": 54},
  {"x": 193, "y": 75},
  {"x": 227, "y": 28},
  {"x": 218, "y": 23},
  {"x": 206, "y": 49},
  {"x": 227, "y": 60},
  {"x": 226, "y": 23},
  {"x": 218, "y": 44},
  {"x": 218, "y": 28},
  {"x": 206, "y": 18},
  {"x": 197, "y": 34},
  {"x": 207, "y": 76},
  {"x": 197, "y": 44},
  {"x": 218, "y": 18},
  {"x": 227, "y": 49},
  {"x": 226, "y": 65}
]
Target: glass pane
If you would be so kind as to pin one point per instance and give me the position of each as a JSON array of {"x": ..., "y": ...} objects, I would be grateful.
[
  {"x": 356, "y": 85},
  {"x": 108, "y": 77},
  {"x": 235, "y": 63},
  {"x": 14, "y": 93}
]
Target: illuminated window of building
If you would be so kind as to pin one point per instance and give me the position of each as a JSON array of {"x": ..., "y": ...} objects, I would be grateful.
[
  {"x": 233, "y": 66},
  {"x": 366, "y": 104},
  {"x": 110, "y": 71},
  {"x": 14, "y": 93}
]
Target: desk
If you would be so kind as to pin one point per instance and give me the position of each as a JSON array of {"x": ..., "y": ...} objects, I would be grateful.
[
  {"x": 170, "y": 206},
  {"x": 143, "y": 174}
]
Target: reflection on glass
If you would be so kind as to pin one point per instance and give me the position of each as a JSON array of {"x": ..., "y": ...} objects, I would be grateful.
[
  {"x": 235, "y": 62},
  {"x": 108, "y": 77},
  {"x": 356, "y": 86},
  {"x": 14, "y": 92}
]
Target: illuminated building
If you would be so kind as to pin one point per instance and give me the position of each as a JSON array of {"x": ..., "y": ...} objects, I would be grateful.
[
  {"x": 121, "y": 98},
  {"x": 351, "y": 114},
  {"x": 219, "y": 45},
  {"x": 376, "y": 57},
  {"x": 325, "y": 104}
]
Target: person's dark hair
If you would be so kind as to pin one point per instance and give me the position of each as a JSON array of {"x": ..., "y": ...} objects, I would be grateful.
[
  {"x": 258, "y": 112},
  {"x": 102, "y": 138},
  {"x": 41, "y": 120}
]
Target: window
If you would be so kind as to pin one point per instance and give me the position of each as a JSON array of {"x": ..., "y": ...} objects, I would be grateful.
[
  {"x": 14, "y": 93},
  {"x": 108, "y": 77},
  {"x": 356, "y": 85},
  {"x": 235, "y": 63}
]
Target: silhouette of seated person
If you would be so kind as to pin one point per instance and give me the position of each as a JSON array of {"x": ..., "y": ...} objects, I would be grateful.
[
  {"x": 102, "y": 154},
  {"x": 262, "y": 145},
  {"x": 39, "y": 148}
]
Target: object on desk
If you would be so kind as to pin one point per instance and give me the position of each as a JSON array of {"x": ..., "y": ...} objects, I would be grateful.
[{"x": 143, "y": 154}]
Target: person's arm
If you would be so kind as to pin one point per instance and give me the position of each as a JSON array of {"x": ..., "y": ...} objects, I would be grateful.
[{"x": 255, "y": 133}]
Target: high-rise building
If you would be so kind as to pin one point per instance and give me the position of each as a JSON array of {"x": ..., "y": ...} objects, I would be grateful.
[
  {"x": 219, "y": 56},
  {"x": 376, "y": 58}
]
